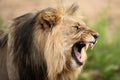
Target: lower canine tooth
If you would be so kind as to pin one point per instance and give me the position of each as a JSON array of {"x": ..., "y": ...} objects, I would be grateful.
[
  {"x": 91, "y": 45},
  {"x": 87, "y": 45}
]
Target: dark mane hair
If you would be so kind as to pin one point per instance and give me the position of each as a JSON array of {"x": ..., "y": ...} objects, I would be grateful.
[
  {"x": 3, "y": 38},
  {"x": 23, "y": 44}
]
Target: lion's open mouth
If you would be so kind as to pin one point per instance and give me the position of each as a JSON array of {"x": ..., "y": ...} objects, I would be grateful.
[{"x": 77, "y": 50}]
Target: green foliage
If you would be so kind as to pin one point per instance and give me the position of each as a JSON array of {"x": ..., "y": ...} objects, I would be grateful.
[{"x": 104, "y": 60}]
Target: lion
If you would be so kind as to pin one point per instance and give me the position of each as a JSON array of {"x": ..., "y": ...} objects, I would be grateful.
[{"x": 50, "y": 44}]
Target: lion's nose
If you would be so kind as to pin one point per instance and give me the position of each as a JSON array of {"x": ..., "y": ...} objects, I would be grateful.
[{"x": 95, "y": 35}]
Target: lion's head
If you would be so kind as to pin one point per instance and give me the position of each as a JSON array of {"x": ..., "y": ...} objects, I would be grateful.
[{"x": 51, "y": 44}]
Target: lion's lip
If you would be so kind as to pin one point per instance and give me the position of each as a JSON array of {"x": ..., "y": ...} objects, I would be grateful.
[{"x": 77, "y": 50}]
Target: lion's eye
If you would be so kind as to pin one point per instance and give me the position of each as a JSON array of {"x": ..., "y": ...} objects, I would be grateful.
[{"x": 77, "y": 27}]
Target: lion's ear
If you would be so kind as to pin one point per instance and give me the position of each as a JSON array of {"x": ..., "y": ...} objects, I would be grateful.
[{"x": 49, "y": 18}]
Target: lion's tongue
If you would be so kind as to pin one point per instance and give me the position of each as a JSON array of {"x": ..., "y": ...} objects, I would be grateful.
[{"x": 77, "y": 54}]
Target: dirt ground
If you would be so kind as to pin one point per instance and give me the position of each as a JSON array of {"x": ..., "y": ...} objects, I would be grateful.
[{"x": 10, "y": 9}]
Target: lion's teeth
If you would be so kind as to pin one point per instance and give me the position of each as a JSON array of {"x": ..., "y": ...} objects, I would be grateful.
[
  {"x": 87, "y": 45},
  {"x": 91, "y": 45}
]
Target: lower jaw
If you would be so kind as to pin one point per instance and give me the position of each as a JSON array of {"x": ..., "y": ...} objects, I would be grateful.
[
  {"x": 77, "y": 61},
  {"x": 83, "y": 58},
  {"x": 74, "y": 66}
]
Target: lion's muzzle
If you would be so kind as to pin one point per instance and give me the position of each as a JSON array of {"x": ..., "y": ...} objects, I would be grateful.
[{"x": 88, "y": 40}]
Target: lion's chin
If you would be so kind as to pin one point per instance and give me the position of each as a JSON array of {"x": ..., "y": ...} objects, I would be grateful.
[{"x": 79, "y": 51}]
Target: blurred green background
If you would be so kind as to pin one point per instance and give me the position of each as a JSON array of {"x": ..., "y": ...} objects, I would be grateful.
[{"x": 102, "y": 15}]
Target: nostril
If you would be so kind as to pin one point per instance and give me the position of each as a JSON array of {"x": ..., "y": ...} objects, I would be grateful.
[{"x": 96, "y": 35}]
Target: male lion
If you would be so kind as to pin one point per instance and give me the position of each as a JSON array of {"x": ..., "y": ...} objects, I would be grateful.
[{"x": 47, "y": 45}]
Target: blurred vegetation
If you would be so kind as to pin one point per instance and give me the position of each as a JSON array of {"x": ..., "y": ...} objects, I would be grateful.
[{"x": 104, "y": 60}]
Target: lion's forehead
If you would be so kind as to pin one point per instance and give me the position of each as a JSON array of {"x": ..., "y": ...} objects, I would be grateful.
[{"x": 72, "y": 20}]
